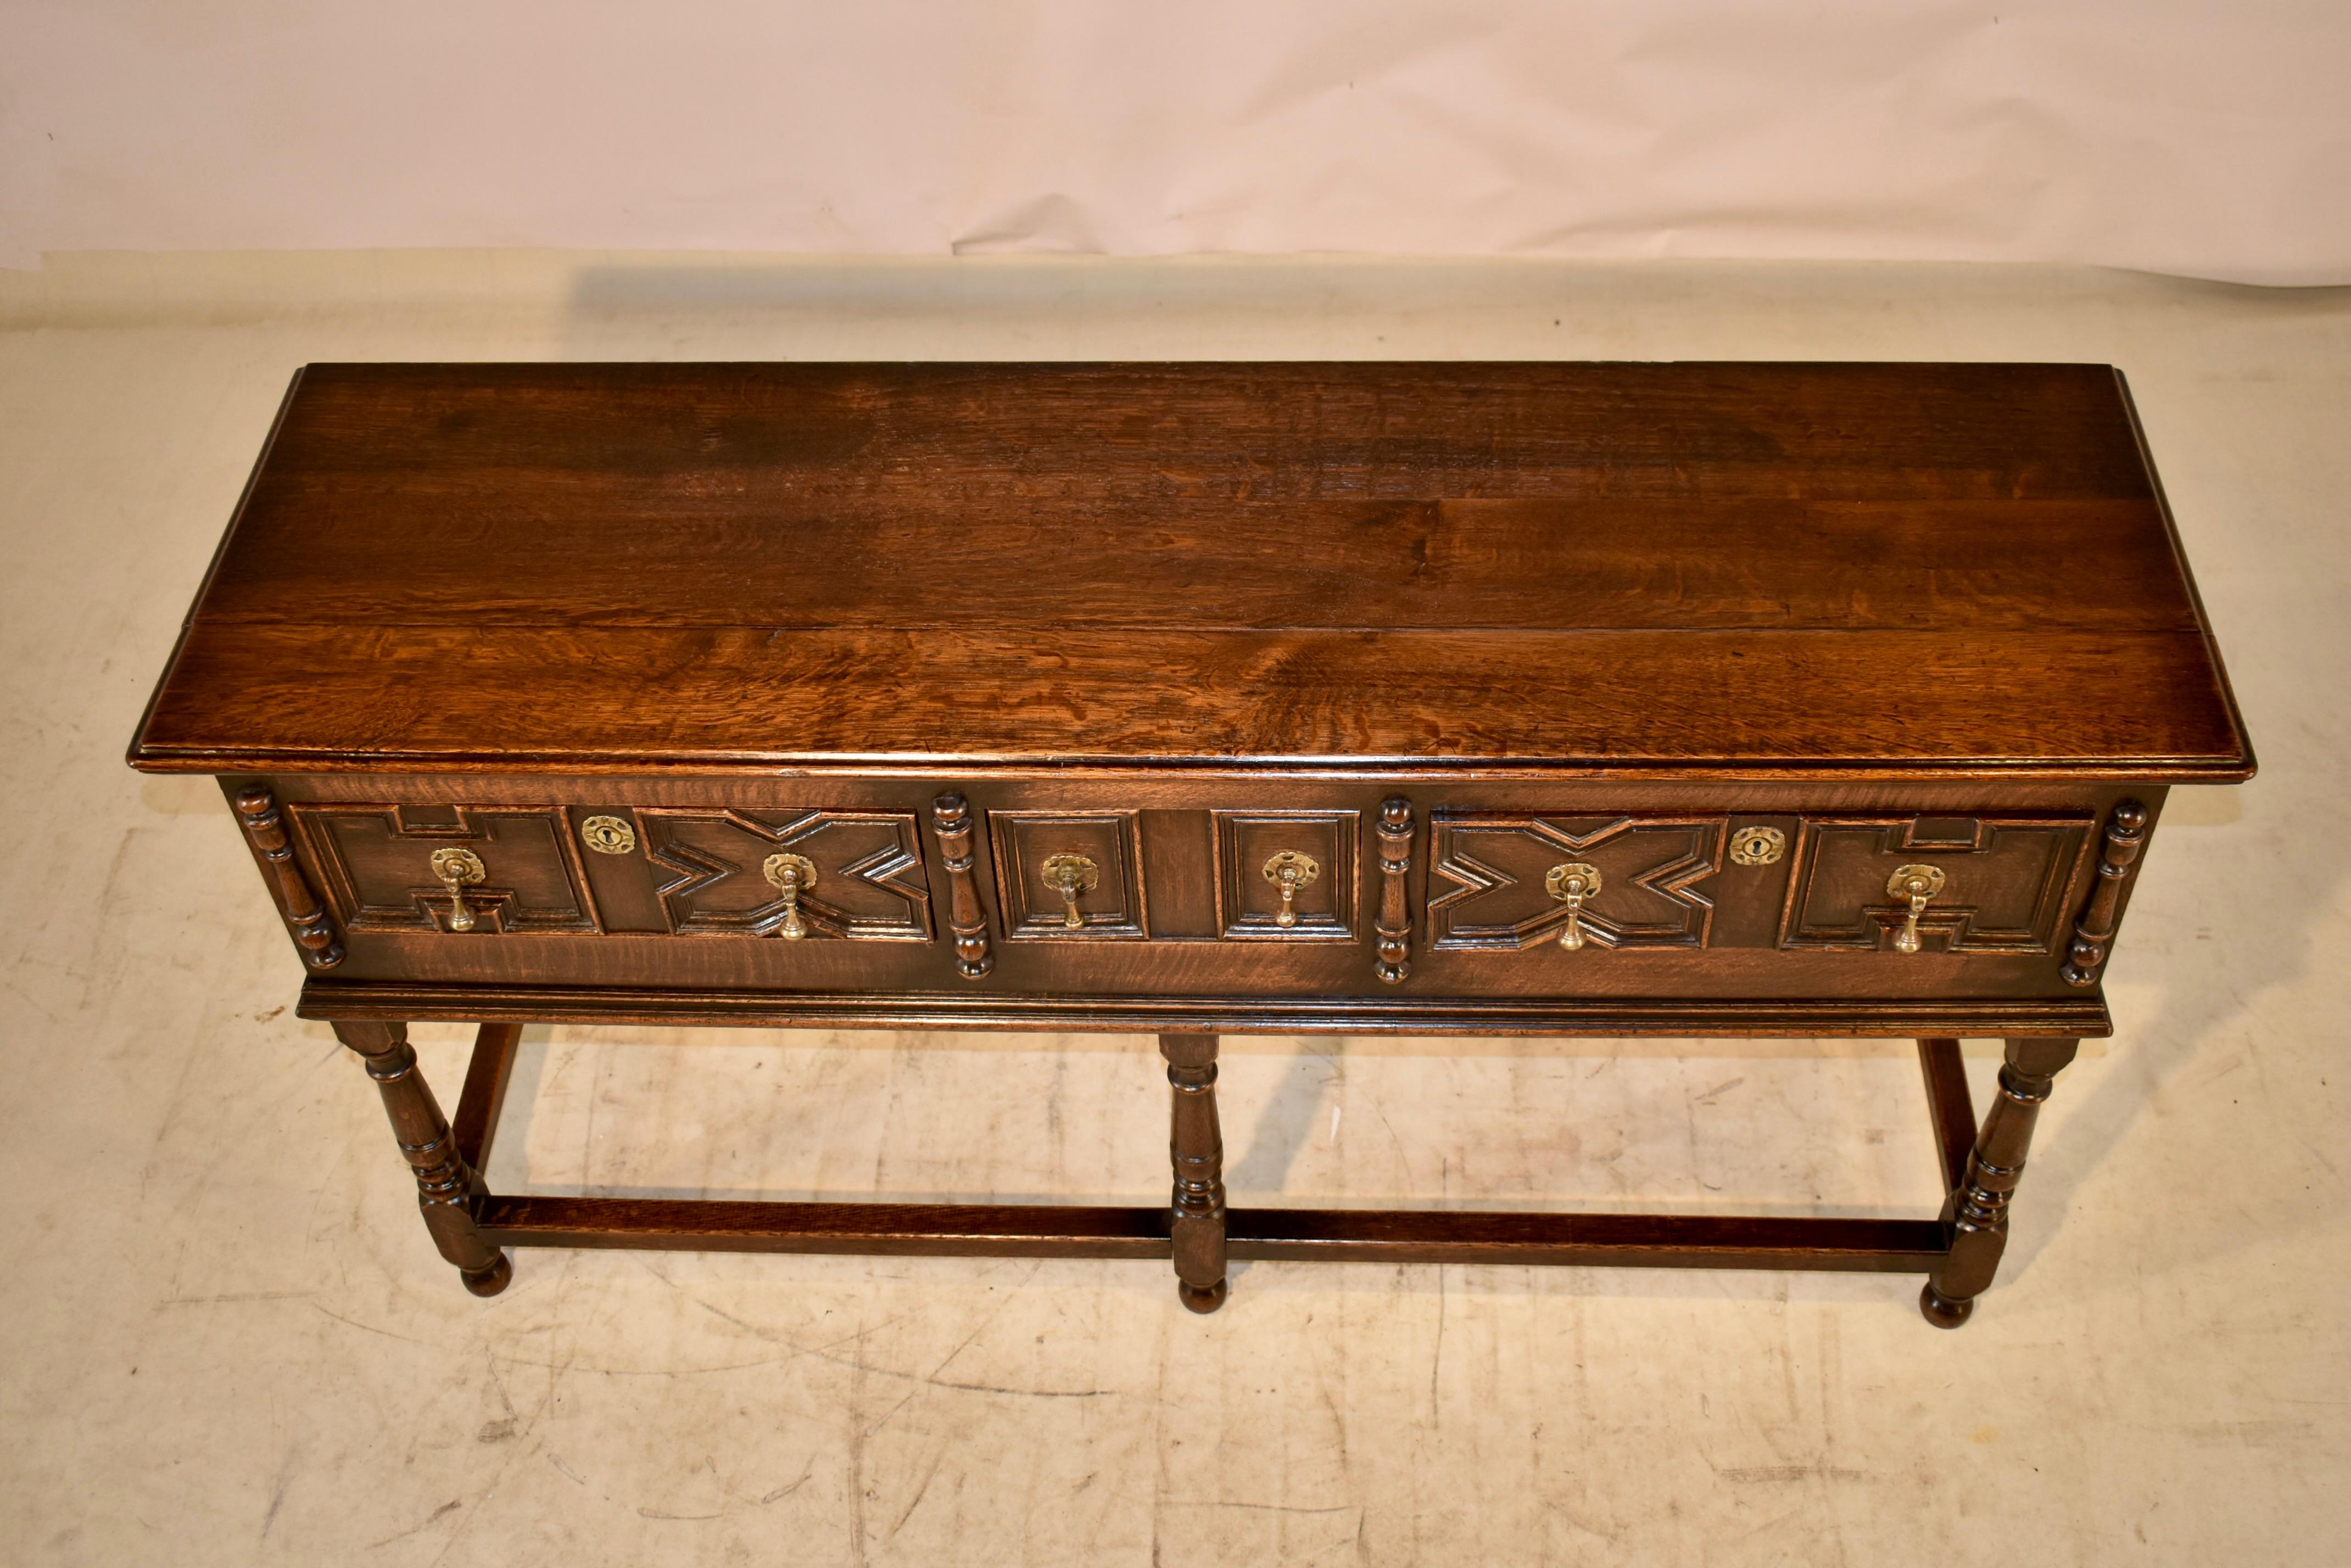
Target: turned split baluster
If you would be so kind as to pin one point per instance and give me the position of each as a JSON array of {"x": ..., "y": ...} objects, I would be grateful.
[
  {"x": 2125, "y": 836},
  {"x": 1196, "y": 1149},
  {"x": 445, "y": 1185},
  {"x": 1977, "y": 1211},
  {"x": 966, "y": 917},
  {"x": 1396, "y": 831},
  {"x": 258, "y": 813}
]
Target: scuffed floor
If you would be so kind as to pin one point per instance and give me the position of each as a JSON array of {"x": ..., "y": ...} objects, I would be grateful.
[{"x": 227, "y": 1339}]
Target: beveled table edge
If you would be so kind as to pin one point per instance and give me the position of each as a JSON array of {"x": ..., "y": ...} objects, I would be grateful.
[{"x": 2151, "y": 771}]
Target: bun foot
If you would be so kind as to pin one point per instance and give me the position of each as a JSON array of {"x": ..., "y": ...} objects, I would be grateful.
[
  {"x": 489, "y": 1282},
  {"x": 1198, "y": 1300},
  {"x": 1941, "y": 1310}
]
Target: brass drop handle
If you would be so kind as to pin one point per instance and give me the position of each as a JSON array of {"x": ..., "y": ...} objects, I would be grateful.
[
  {"x": 458, "y": 870},
  {"x": 792, "y": 875},
  {"x": 1572, "y": 883},
  {"x": 1289, "y": 871},
  {"x": 1917, "y": 884},
  {"x": 1070, "y": 874}
]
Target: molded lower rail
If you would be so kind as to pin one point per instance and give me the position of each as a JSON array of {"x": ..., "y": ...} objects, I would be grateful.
[{"x": 1985, "y": 1018}]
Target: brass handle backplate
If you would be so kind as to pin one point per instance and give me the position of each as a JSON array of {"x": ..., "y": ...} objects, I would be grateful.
[
  {"x": 1070, "y": 874},
  {"x": 1572, "y": 883},
  {"x": 1915, "y": 884},
  {"x": 1289, "y": 871},
  {"x": 458, "y": 870},
  {"x": 792, "y": 875}
]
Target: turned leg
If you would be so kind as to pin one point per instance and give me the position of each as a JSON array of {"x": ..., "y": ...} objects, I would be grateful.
[
  {"x": 445, "y": 1185},
  {"x": 1977, "y": 1211},
  {"x": 1196, "y": 1148}
]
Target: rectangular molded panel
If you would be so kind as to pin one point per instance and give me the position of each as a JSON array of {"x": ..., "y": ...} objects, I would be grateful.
[
  {"x": 1029, "y": 907},
  {"x": 1248, "y": 906},
  {"x": 2009, "y": 882},
  {"x": 375, "y": 860}
]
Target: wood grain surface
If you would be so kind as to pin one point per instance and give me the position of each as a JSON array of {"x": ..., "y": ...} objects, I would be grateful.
[{"x": 1713, "y": 570}]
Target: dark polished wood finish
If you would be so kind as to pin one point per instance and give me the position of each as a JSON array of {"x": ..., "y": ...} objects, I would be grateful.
[
  {"x": 1195, "y": 1149},
  {"x": 1376, "y": 1014},
  {"x": 996, "y": 696},
  {"x": 1977, "y": 1211},
  {"x": 484, "y": 1096},
  {"x": 2118, "y": 866},
  {"x": 1357, "y": 565},
  {"x": 951, "y": 820},
  {"x": 447, "y": 1188},
  {"x": 1396, "y": 831},
  {"x": 305, "y": 917},
  {"x": 1949, "y": 1106},
  {"x": 1280, "y": 1235}
]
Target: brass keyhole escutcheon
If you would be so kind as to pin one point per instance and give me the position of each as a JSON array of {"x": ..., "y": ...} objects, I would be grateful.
[
  {"x": 1914, "y": 884},
  {"x": 458, "y": 870},
  {"x": 1572, "y": 883},
  {"x": 1289, "y": 871},
  {"x": 608, "y": 835},
  {"x": 792, "y": 875},
  {"x": 1758, "y": 846},
  {"x": 1070, "y": 874}
]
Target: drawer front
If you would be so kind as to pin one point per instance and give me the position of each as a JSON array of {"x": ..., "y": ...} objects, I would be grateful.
[
  {"x": 376, "y": 861},
  {"x": 711, "y": 873},
  {"x": 1064, "y": 876},
  {"x": 2007, "y": 882},
  {"x": 1288, "y": 876},
  {"x": 1199, "y": 888},
  {"x": 1489, "y": 871},
  {"x": 686, "y": 873}
]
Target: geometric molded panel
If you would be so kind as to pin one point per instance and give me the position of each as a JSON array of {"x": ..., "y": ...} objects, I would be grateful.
[
  {"x": 2008, "y": 882},
  {"x": 1490, "y": 866},
  {"x": 1248, "y": 907},
  {"x": 1032, "y": 911},
  {"x": 870, "y": 885},
  {"x": 375, "y": 862}
]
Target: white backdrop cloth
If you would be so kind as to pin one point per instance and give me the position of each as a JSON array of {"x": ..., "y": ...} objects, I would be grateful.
[{"x": 2208, "y": 139}]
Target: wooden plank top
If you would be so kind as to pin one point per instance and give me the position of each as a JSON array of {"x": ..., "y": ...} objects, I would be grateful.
[{"x": 1694, "y": 570}]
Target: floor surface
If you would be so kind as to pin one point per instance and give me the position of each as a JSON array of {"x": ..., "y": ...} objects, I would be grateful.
[{"x": 227, "y": 1339}]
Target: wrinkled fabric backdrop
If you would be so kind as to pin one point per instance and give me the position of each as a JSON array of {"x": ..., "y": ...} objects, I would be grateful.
[{"x": 2207, "y": 139}]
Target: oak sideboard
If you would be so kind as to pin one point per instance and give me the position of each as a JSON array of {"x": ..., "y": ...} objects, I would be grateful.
[{"x": 1191, "y": 699}]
